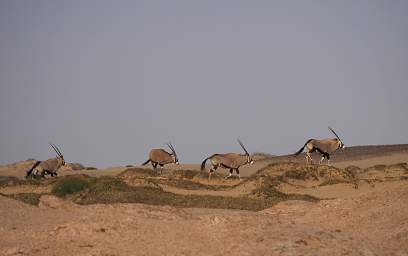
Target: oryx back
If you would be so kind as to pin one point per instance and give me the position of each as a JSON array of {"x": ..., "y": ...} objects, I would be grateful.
[
  {"x": 324, "y": 145},
  {"x": 229, "y": 160},
  {"x": 160, "y": 156},
  {"x": 49, "y": 166}
]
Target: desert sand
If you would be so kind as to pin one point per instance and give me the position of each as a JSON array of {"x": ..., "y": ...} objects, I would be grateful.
[{"x": 358, "y": 206}]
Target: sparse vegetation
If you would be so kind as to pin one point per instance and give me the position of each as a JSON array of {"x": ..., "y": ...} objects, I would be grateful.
[
  {"x": 13, "y": 181},
  {"x": 86, "y": 190},
  {"x": 182, "y": 183},
  {"x": 28, "y": 198},
  {"x": 139, "y": 172},
  {"x": 380, "y": 167},
  {"x": 70, "y": 184},
  {"x": 140, "y": 185},
  {"x": 153, "y": 196},
  {"x": 352, "y": 169},
  {"x": 5, "y": 180},
  {"x": 187, "y": 174},
  {"x": 297, "y": 174},
  {"x": 332, "y": 182},
  {"x": 76, "y": 166},
  {"x": 403, "y": 166},
  {"x": 268, "y": 196}
]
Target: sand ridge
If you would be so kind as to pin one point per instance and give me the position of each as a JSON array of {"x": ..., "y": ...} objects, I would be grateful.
[{"x": 352, "y": 208}]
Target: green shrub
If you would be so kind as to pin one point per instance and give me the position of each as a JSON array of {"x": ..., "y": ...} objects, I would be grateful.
[
  {"x": 28, "y": 198},
  {"x": 69, "y": 185}
]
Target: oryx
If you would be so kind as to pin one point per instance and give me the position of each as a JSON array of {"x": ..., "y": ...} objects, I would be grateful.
[
  {"x": 230, "y": 161},
  {"x": 325, "y": 147},
  {"x": 49, "y": 166},
  {"x": 159, "y": 156}
]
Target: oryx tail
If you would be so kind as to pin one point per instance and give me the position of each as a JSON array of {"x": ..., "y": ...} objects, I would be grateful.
[
  {"x": 301, "y": 149},
  {"x": 148, "y": 160},
  {"x": 205, "y": 160},
  {"x": 32, "y": 168}
]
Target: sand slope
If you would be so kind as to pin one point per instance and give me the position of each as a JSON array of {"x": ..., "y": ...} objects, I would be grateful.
[
  {"x": 363, "y": 211},
  {"x": 374, "y": 223}
]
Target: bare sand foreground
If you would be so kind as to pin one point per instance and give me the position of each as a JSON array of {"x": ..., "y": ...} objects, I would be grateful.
[{"x": 283, "y": 208}]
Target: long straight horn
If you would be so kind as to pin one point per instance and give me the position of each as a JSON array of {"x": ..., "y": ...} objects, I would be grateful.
[
  {"x": 172, "y": 148},
  {"x": 59, "y": 151},
  {"x": 242, "y": 146},
  {"x": 334, "y": 133},
  {"x": 55, "y": 149}
]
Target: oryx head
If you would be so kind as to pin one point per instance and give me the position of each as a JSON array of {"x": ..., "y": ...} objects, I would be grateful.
[
  {"x": 340, "y": 143},
  {"x": 59, "y": 154},
  {"x": 175, "y": 159},
  {"x": 249, "y": 158}
]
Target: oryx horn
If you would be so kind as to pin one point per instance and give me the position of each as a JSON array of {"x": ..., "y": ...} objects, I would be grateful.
[
  {"x": 334, "y": 133},
  {"x": 171, "y": 147},
  {"x": 242, "y": 146},
  {"x": 56, "y": 149}
]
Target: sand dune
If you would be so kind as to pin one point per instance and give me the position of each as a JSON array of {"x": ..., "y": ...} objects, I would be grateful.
[{"x": 359, "y": 206}]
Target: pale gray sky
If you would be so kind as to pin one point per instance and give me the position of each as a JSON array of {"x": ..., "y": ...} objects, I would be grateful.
[{"x": 108, "y": 80}]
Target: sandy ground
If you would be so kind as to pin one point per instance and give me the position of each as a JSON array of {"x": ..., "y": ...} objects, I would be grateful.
[
  {"x": 19, "y": 169},
  {"x": 368, "y": 217},
  {"x": 374, "y": 223},
  {"x": 365, "y": 163}
]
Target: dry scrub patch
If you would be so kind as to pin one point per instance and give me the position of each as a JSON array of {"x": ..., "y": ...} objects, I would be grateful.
[
  {"x": 187, "y": 188},
  {"x": 330, "y": 182},
  {"x": 302, "y": 175},
  {"x": 137, "y": 185}
]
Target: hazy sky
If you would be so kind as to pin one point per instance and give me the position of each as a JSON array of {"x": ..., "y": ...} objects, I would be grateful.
[{"x": 109, "y": 80}]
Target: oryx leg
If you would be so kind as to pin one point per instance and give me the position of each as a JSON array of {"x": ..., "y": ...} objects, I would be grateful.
[
  {"x": 213, "y": 168},
  {"x": 46, "y": 172},
  {"x": 328, "y": 159},
  {"x": 37, "y": 171},
  {"x": 154, "y": 165},
  {"x": 237, "y": 171},
  {"x": 34, "y": 173},
  {"x": 230, "y": 173},
  {"x": 31, "y": 175},
  {"x": 52, "y": 173},
  {"x": 161, "y": 169},
  {"x": 309, "y": 157},
  {"x": 309, "y": 150},
  {"x": 209, "y": 174},
  {"x": 327, "y": 156},
  {"x": 321, "y": 159}
]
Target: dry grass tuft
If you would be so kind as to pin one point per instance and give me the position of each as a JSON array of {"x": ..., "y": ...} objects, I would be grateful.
[{"x": 70, "y": 184}]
